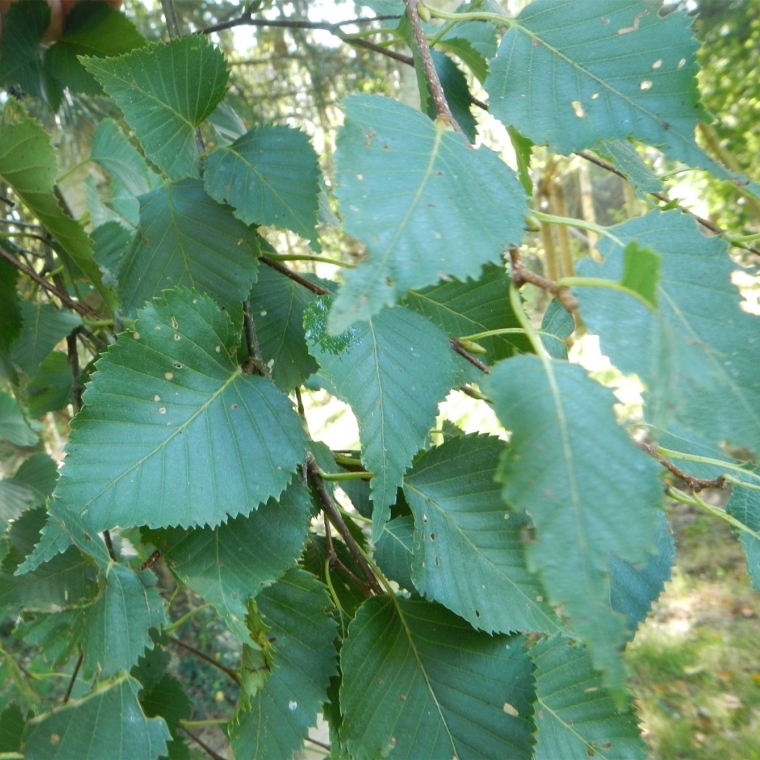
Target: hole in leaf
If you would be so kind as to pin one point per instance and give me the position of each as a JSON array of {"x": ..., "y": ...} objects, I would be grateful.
[
  {"x": 162, "y": 410},
  {"x": 656, "y": 65},
  {"x": 681, "y": 63},
  {"x": 578, "y": 108},
  {"x": 168, "y": 375},
  {"x": 646, "y": 85},
  {"x": 177, "y": 365}
]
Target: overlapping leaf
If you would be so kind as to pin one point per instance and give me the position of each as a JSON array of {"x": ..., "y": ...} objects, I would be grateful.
[
  {"x": 395, "y": 550},
  {"x": 420, "y": 682},
  {"x": 20, "y": 62},
  {"x": 113, "y": 151},
  {"x": 167, "y": 699},
  {"x": 277, "y": 305},
  {"x": 13, "y": 426},
  {"x": 229, "y": 564},
  {"x": 10, "y": 316},
  {"x": 413, "y": 191},
  {"x": 33, "y": 482},
  {"x": 576, "y": 716},
  {"x": 117, "y": 623},
  {"x": 615, "y": 70},
  {"x": 109, "y": 722},
  {"x": 187, "y": 239},
  {"x": 271, "y": 176},
  {"x": 393, "y": 370},
  {"x": 587, "y": 487},
  {"x": 43, "y": 328},
  {"x": 27, "y": 164},
  {"x": 471, "y": 307},
  {"x": 165, "y": 92},
  {"x": 296, "y": 616},
  {"x": 92, "y": 28},
  {"x": 635, "y": 589},
  {"x": 744, "y": 506},
  {"x": 461, "y": 523},
  {"x": 172, "y": 433},
  {"x": 65, "y": 579},
  {"x": 696, "y": 371}
]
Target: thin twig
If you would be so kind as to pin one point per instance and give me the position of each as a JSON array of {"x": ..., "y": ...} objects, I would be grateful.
[
  {"x": 247, "y": 19},
  {"x": 203, "y": 656},
  {"x": 154, "y": 557},
  {"x": 459, "y": 349},
  {"x": 73, "y": 357},
  {"x": 210, "y": 752},
  {"x": 308, "y": 284},
  {"x": 79, "y": 308},
  {"x": 255, "y": 362},
  {"x": 367, "y": 45},
  {"x": 521, "y": 275},
  {"x": 706, "y": 223},
  {"x": 337, "y": 520},
  {"x": 692, "y": 481},
  {"x": 73, "y": 678},
  {"x": 170, "y": 15},
  {"x": 434, "y": 82},
  {"x": 324, "y": 745}
]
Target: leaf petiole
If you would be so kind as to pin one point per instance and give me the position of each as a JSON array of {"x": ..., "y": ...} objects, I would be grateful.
[{"x": 600, "y": 282}]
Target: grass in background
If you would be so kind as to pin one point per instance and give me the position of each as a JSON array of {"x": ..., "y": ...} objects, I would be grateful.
[{"x": 696, "y": 661}]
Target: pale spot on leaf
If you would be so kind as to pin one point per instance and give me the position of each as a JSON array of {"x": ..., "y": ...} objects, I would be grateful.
[{"x": 510, "y": 710}]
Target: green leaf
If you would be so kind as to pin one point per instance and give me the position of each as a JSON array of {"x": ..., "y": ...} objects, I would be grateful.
[
  {"x": 577, "y": 718},
  {"x": 455, "y": 88},
  {"x": 461, "y": 523},
  {"x": 394, "y": 551},
  {"x": 64, "y": 580},
  {"x": 10, "y": 316},
  {"x": 56, "y": 633},
  {"x": 474, "y": 42},
  {"x": 50, "y": 389},
  {"x": 13, "y": 426},
  {"x": 187, "y": 239},
  {"x": 270, "y": 176},
  {"x": 43, "y": 328},
  {"x": 11, "y": 728},
  {"x": 117, "y": 623},
  {"x": 394, "y": 371},
  {"x": 172, "y": 433},
  {"x": 616, "y": 70},
  {"x": 635, "y": 589},
  {"x": 418, "y": 681},
  {"x": 229, "y": 564},
  {"x": 626, "y": 159},
  {"x": 111, "y": 241},
  {"x": 641, "y": 272},
  {"x": 167, "y": 699},
  {"x": 587, "y": 487},
  {"x": 296, "y": 615},
  {"x": 108, "y": 722},
  {"x": 473, "y": 306},
  {"x": 277, "y": 305},
  {"x": 556, "y": 325},
  {"x": 33, "y": 482},
  {"x": 116, "y": 154},
  {"x": 165, "y": 92},
  {"x": 744, "y": 506},
  {"x": 523, "y": 147},
  {"x": 696, "y": 371},
  {"x": 27, "y": 164},
  {"x": 92, "y": 28},
  {"x": 20, "y": 63},
  {"x": 417, "y": 226}
]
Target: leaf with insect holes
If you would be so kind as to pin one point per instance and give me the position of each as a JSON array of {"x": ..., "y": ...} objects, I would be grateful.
[
  {"x": 172, "y": 433},
  {"x": 412, "y": 190},
  {"x": 613, "y": 70}
]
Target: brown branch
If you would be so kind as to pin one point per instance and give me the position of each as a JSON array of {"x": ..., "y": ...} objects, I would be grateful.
[
  {"x": 255, "y": 362},
  {"x": 109, "y": 545},
  {"x": 521, "y": 275},
  {"x": 247, "y": 19},
  {"x": 210, "y": 752},
  {"x": 434, "y": 82},
  {"x": 80, "y": 308},
  {"x": 73, "y": 678},
  {"x": 692, "y": 481},
  {"x": 332, "y": 513},
  {"x": 154, "y": 557},
  {"x": 465, "y": 354},
  {"x": 324, "y": 745},
  {"x": 203, "y": 656},
  {"x": 367, "y": 45},
  {"x": 308, "y": 284}
]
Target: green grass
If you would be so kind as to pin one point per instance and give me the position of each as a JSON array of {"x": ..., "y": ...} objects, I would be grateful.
[{"x": 696, "y": 662}]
